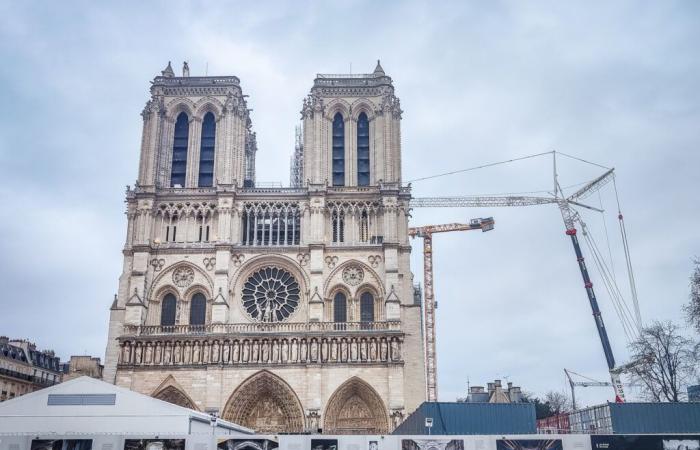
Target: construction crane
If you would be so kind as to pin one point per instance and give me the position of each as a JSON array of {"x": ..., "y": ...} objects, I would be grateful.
[
  {"x": 589, "y": 382},
  {"x": 570, "y": 218},
  {"x": 429, "y": 304}
]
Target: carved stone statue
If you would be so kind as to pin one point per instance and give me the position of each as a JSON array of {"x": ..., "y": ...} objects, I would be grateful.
[
  {"x": 314, "y": 350},
  {"x": 265, "y": 353},
  {"x": 195, "y": 353},
  {"x": 285, "y": 351},
  {"x": 235, "y": 352},
  {"x": 245, "y": 350},
  {"x": 373, "y": 350},
  {"x": 353, "y": 350},
  {"x": 149, "y": 353},
  {"x": 395, "y": 350},
  {"x": 294, "y": 356},
  {"x": 303, "y": 349},
  {"x": 383, "y": 350}
]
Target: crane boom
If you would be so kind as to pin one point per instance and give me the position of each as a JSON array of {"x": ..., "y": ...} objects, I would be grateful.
[
  {"x": 479, "y": 201},
  {"x": 429, "y": 305}
]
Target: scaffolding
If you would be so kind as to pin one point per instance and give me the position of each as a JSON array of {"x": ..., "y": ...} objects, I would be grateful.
[{"x": 296, "y": 171}]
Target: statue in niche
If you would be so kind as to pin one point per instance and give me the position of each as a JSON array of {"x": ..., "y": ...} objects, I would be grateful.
[
  {"x": 157, "y": 353},
  {"x": 363, "y": 350},
  {"x": 137, "y": 354},
  {"x": 395, "y": 350},
  {"x": 235, "y": 352},
  {"x": 353, "y": 350},
  {"x": 195, "y": 353},
  {"x": 246, "y": 351},
  {"x": 205, "y": 352},
  {"x": 324, "y": 350},
  {"x": 256, "y": 352},
  {"x": 295, "y": 351},
  {"x": 314, "y": 350},
  {"x": 187, "y": 353},
  {"x": 167, "y": 353},
  {"x": 226, "y": 352},
  {"x": 303, "y": 350},
  {"x": 178, "y": 353},
  {"x": 149, "y": 353},
  {"x": 215, "y": 352},
  {"x": 383, "y": 350},
  {"x": 285, "y": 351},
  {"x": 265, "y": 352},
  {"x": 343, "y": 350},
  {"x": 373, "y": 350},
  {"x": 334, "y": 350},
  {"x": 127, "y": 353},
  {"x": 275, "y": 351}
]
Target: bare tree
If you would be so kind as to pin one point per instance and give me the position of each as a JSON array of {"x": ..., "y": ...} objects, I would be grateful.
[
  {"x": 558, "y": 402},
  {"x": 666, "y": 362},
  {"x": 692, "y": 309}
]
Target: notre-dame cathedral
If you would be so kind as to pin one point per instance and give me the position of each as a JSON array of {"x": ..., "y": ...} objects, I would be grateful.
[{"x": 281, "y": 309}]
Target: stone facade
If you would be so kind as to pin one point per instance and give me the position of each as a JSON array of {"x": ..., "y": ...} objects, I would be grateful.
[
  {"x": 282, "y": 309},
  {"x": 24, "y": 369}
]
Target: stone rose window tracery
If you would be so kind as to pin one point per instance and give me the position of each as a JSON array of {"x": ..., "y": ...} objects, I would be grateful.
[{"x": 271, "y": 295}]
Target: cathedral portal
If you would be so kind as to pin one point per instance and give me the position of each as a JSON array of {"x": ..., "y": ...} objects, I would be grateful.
[
  {"x": 265, "y": 403},
  {"x": 355, "y": 408}
]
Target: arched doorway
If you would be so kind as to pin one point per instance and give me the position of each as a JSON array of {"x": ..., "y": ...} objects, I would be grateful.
[
  {"x": 173, "y": 395},
  {"x": 267, "y": 404},
  {"x": 355, "y": 408}
]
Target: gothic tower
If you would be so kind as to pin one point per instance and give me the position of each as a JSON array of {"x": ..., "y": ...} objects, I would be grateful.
[{"x": 282, "y": 309}]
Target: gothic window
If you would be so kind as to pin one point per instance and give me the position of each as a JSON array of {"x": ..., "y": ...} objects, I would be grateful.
[
  {"x": 179, "y": 165},
  {"x": 271, "y": 224},
  {"x": 338, "y": 218},
  {"x": 198, "y": 309},
  {"x": 338, "y": 150},
  {"x": 206, "y": 151},
  {"x": 340, "y": 311},
  {"x": 362, "y": 150},
  {"x": 167, "y": 310},
  {"x": 271, "y": 295},
  {"x": 366, "y": 307}
]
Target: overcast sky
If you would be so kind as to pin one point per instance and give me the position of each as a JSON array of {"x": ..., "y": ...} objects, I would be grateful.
[{"x": 617, "y": 83}]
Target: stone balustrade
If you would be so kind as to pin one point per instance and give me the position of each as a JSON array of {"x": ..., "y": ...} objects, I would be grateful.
[
  {"x": 355, "y": 347},
  {"x": 262, "y": 328}
]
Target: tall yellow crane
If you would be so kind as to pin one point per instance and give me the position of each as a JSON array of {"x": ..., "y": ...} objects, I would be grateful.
[{"x": 429, "y": 305}]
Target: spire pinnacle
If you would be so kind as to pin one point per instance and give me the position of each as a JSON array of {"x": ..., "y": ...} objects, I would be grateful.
[
  {"x": 378, "y": 70},
  {"x": 168, "y": 72}
]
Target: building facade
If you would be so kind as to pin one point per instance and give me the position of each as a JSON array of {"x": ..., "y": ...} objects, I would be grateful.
[
  {"x": 24, "y": 369},
  {"x": 281, "y": 309}
]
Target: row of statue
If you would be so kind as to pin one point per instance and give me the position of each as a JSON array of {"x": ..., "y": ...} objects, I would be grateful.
[{"x": 260, "y": 351}]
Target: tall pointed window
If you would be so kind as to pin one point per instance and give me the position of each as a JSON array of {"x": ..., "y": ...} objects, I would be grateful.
[
  {"x": 340, "y": 312},
  {"x": 167, "y": 310},
  {"x": 179, "y": 166},
  {"x": 366, "y": 307},
  {"x": 198, "y": 309},
  {"x": 338, "y": 150},
  {"x": 362, "y": 150},
  {"x": 206, "y": 151}
]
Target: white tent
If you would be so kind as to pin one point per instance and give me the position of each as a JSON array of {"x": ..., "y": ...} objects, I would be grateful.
[{"x": 84, "y": 408}]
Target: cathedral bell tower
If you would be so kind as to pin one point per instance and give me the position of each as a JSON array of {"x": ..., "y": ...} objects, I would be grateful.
[{"x": 286, "y": 310}]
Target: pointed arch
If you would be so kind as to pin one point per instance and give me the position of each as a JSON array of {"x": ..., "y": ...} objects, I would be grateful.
[
  {"x": 178, "y": 168},
  {"x": 172, "y": 392},
  {"x": 338, "y": 156},
  {"x": 267, "y": 404},
  {"x": 355, "y": 408}
]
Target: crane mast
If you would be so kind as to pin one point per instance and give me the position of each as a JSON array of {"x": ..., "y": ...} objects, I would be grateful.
[{"x": 429, "y": 305}]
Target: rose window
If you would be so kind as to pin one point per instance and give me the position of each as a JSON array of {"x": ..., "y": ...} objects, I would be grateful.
[{"x": 271, "y": 295}]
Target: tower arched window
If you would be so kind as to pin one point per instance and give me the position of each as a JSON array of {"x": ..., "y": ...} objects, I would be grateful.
[
  {"x": 178, "y": 170},
  {"x": 206, "y": 151},
  {"x": 168, "y": 310},
  {"x": 367, "y": 307},
  {"x": 362, "y": 150},
  {"x": 340, "y": 310},
  {"x": 198, "y": 309},
  {"x": 338, "y": 150}
]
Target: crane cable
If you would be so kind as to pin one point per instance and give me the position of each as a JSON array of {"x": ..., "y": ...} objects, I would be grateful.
[
  {"x": 621, "y": 307},
  {"x": 628, "y": 259}
]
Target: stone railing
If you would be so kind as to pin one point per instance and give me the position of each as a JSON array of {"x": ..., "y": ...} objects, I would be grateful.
[
  {"x": 262, "y": 328},
  {"x": 193, "y": 350}
]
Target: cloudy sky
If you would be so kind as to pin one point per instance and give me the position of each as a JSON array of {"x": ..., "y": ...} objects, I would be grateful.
[{"x": 617, "y": 84}]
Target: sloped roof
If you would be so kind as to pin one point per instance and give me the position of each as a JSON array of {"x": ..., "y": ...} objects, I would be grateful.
[{"x": 130, "y": 411}]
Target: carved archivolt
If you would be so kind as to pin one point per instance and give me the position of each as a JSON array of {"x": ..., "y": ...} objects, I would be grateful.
[
  {"x": 267, "y": 404},
  {"x": 355, "y": 408},
  {"x": 171, "y": 392}
]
